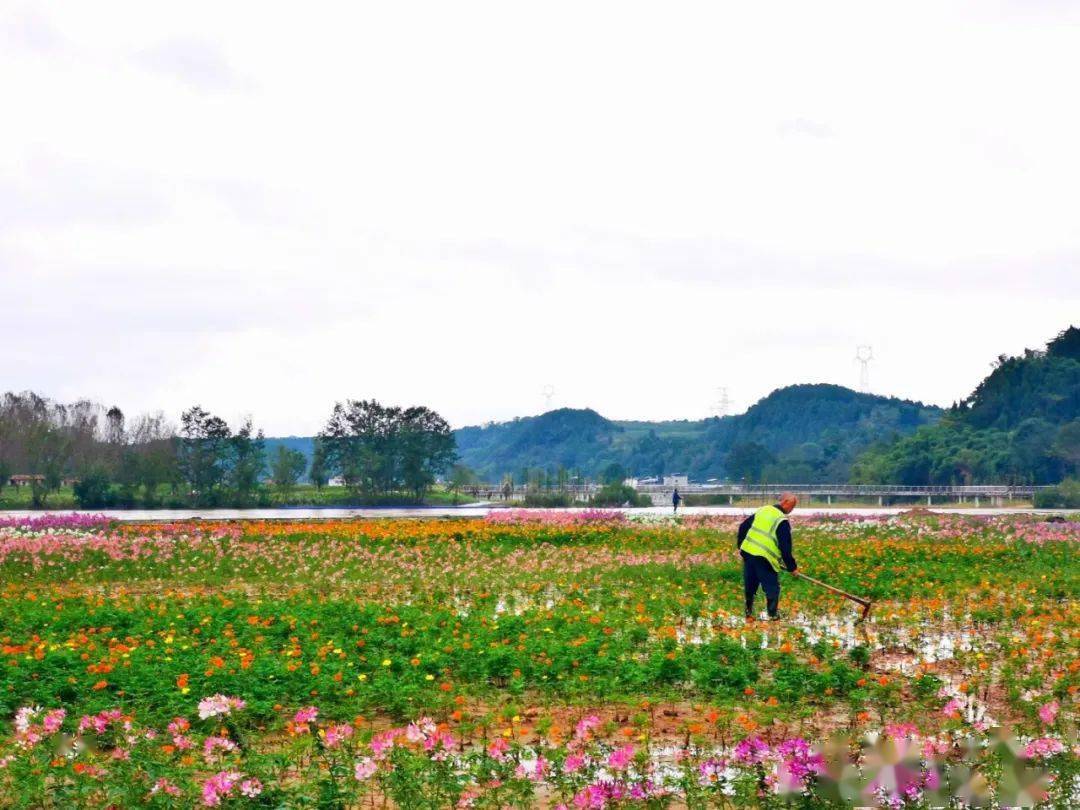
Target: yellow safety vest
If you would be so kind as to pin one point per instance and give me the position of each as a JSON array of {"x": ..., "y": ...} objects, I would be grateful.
[{"x": 761, "y": 539}]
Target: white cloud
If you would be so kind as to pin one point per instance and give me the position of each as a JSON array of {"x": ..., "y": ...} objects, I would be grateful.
[{"x": 263, "y": 209}]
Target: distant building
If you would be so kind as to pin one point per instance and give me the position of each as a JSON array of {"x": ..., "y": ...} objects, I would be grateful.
[
  {"x": 676, "y": 480},
  {"x": 630, "y": 482},
  {"x": 24, "y": 480},
  {"x": 27, "y": 480},
  {"x": 336, "y": 481}
]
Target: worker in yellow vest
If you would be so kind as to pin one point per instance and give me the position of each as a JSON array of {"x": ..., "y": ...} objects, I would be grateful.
[{"x": 765, "y": 544}]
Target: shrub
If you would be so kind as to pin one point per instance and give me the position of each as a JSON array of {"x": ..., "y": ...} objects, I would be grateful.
[
  {"x": 1065, "y": 495},
  {"x": 619, "y": 495},
  {"x": 548, "y": 500},
  {"x": 93, "y": 489}
]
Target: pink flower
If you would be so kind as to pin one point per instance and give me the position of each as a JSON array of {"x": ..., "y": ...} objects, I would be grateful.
[
  {"x": 900, "y": 731},
  {"x": 952, "y": 708},
  {"x": 182, "y": 742},
  {"x": 165, "y": 786},
  {"x": 212, "y": 745},
  {"x": 334, "y": 735},
  {"x": 365, "y": 769},
  {"x": 251, "y": 788},
  {"x": 382, "y": 743},
  {"x": 935, "y": 747},
  {"x": 536, "y": 772},
  {"x": 23, "y": 717},
  {"x": 751, "y": 750},
  {"x": 53, "y": 720},
  {"x": 574, "y": 763},
  {"x": 581, "y": 731},
  {"x": 219, "y": 786},
  {"x": 216, "y": 705},
  {"x": 798, "y": 762},
  {"x": 100, "y": 722},
  {"x": 497, "y": 749},
  {"x": 621, "y": 758},
  {"x": 421, "y": 729},
  {"x": 307, "y": 715},
  {"x": 1043, "y": 747},
  {"x": 1048, "y": 712}
]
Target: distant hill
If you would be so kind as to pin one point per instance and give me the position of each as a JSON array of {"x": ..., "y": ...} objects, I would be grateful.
[
  {"x": 1020, "y": 425},
  {"x": 810, "y": 432},
  {"x": 801, "y": 433}
]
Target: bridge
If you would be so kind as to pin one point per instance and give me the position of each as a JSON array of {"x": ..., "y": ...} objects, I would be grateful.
[{"x": 993, "y": 494}]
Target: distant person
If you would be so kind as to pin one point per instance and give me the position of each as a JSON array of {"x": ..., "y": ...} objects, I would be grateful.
[
  {"x": 765, "y": 544},
  {"x": 676, "y": 499}
]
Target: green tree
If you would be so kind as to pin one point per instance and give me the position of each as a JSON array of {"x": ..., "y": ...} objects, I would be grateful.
[
  {"x": 155, "y": 448},
  {"x": 425, "y": 447},
  {"x": 379, "y": 449},
  {"x": 93, "y": 490},
  {"x": 203, "y": 454},
  {"x": 1067, "y": 445},
  {"x": 319, "y": 472},
  {"x": 246, "y": 461},
  {"x": 49, "y": 451},
  {"x": 747, "y": 460},
  {"x": 286, "y": 467},
  {"x": 614, "y": 474},
  {"x": 460, "y": 477}
]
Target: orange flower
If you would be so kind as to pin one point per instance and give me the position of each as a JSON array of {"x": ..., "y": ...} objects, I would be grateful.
[
  {"x": 182, "y": 681},
  {"x": 97, "y": 687}
]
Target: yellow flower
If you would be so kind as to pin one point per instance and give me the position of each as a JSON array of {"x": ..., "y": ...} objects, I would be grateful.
[
  {"x": 429, "y": 677},
  {"x": 386, "y": 662}
]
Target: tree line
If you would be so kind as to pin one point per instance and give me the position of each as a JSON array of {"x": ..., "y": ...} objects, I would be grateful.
[
  {"x": 1021, "y": 425},
  {"x": 378, "y": 451}
]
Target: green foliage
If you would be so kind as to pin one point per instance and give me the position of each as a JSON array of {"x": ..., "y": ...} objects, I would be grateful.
[
  {"x": 93, "y": 489},
  {"x": 287, "y": 467},
  {"x": 619, "y": 495},
  {"x": 811, "y": 431},
  {"x": 747, "y": 461},
  {"x": 1020, "y": 425},
  {"x": 548, "y": 500},
  {"x": 379, "y": 449},
  {"x": 1065, "y": 495}
]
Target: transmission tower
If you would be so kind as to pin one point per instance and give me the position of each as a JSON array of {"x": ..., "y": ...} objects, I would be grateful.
[
  {"x": 863, "y": 355},
  {"x": 723, "y": 402},
  {"x": 548, "y": 393}
]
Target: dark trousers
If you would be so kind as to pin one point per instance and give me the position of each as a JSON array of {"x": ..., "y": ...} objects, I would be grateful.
[{"x": 757, "y": 572}]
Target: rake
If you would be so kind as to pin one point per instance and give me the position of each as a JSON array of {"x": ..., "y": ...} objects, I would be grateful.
[{"x": 866, "y": 603}]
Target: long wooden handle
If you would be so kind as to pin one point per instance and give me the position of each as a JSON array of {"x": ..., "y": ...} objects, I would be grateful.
[{"x": 826, "y": 586}]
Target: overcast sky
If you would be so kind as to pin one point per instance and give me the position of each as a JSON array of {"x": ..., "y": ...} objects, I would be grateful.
[{"x": 264, "y": 208}]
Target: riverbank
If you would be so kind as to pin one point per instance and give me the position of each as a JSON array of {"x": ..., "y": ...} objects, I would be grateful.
[{"x": 652, "y": 513}]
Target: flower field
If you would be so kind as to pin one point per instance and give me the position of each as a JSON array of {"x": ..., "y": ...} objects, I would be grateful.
[{"x": 535, "y": 659}]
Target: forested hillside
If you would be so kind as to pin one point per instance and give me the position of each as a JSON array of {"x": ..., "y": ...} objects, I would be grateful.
[
  {"x": 1020, "y": 425},
  {"x": 798, "y": 433}
]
